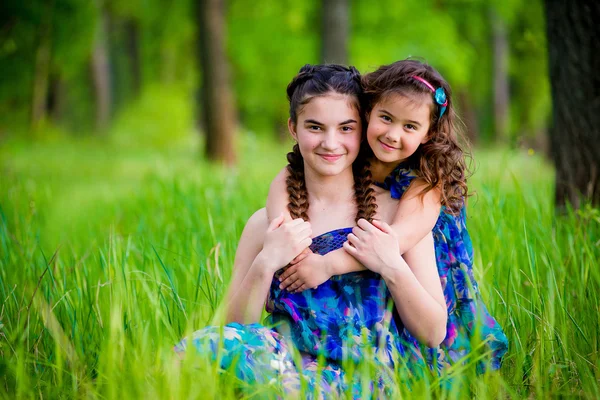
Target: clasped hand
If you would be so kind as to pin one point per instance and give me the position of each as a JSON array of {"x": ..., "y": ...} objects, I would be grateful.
[
  {"x": 374, "y": 245},
  {"x": 284, "y": 241}
]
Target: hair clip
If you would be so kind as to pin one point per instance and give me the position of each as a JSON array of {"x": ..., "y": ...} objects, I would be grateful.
[{"x": 439, "y": 95}]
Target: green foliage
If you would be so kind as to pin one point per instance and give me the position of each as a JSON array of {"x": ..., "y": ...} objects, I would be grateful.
[
  {"x": 110, "y": 253},
  {"x": 267, "y": 42}
]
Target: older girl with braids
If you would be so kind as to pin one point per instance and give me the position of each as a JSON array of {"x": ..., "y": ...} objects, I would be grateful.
[
  {"x": 415, "y": 154},
  {"x": 351, "y": 317}
]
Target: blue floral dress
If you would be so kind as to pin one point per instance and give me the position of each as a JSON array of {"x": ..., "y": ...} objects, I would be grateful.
[
  {"x": 471, "y": 330},
  {"x": 310, "y": 336}
]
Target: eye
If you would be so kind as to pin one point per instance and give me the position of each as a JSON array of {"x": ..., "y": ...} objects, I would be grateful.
[
  {"x": 410, "y": 127},
  {"x": 386, "y": 118},
  {"x": 347, "y": 129},
  {"x": 314, "y": 127}
]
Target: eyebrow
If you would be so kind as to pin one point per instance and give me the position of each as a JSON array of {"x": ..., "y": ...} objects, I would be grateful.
[
  {"x": 409, "y": 121},
  {"x": 312, "y": 121},
  {"x": 315, "y": 122}
]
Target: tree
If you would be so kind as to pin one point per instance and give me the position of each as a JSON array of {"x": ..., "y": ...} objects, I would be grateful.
[
  {"x": 43, "y": 56},
  {"x": 335, "y": 20},
  {"x": 500, "y": 77},
  {"x": 572, "y": 31},
  {"x": 101, "y": 70},
  {"x": 217, "y": 97}
]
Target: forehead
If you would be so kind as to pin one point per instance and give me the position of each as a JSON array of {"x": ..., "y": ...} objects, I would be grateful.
[
  {"x": 332, "y": 107},
  {"x": 414, "y": 105}
]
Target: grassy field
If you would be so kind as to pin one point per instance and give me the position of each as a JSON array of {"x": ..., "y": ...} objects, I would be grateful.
[{"x": 111, "y": 252}]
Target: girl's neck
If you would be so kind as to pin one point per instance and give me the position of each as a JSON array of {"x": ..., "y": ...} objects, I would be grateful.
[
  {"x": 381, "y": 170},
  {"x": 329, "y": 189}
]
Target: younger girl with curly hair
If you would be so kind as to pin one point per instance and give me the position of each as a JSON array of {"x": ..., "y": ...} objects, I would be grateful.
[{"x": 414, "y": 153}]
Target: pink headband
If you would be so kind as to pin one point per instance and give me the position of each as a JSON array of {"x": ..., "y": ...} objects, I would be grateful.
[{"x": 439, "y": 95}]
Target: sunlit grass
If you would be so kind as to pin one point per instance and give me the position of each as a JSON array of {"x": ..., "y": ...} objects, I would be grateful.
[{"x": 109, "y": 254}]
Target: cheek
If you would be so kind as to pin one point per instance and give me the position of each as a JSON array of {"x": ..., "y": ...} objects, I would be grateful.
[
  {"x": 352, "y": 143},
  {"x": 373, "y": 131}
]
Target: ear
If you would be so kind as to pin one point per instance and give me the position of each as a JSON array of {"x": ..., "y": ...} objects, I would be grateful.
[
  {"x": 427, "y": 137},
  {"x": 292, "y": 129}
]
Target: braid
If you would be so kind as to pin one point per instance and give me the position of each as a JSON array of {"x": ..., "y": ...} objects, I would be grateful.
[
  {"x": 364, "y": 195},
  {"x": 296, "y": 185}
]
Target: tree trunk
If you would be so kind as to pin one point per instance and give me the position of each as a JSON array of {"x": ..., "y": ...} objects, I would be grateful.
[
  {"x": 335, "y": 30},
  {"x": 39, "y": 101},
  {"x": 57, "y": 98},
  {"x": 133, "y": 53},
  {"x": 573, "y": 31},
  {"x": 469, "y": 116},
  {"x": 500, "y": 71},
  {"x": 101, "y": 72},
  {"x": 217, "y": 97}
]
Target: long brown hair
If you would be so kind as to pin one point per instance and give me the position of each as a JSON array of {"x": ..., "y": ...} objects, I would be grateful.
[
  {"x": 313, "y": 81},
  {"x": 440, "y": 161}
]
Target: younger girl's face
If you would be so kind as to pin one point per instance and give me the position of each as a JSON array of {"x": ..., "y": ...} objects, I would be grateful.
[
  {"x": 397, "y": 126},
  {"x": 328, "y": 131}
]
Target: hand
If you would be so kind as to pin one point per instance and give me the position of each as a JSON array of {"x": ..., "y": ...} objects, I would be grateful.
[
  {"x": 306, "y": 274},
  {"x": 374, "y": 245},
  {"x": 284, "y": 241}
]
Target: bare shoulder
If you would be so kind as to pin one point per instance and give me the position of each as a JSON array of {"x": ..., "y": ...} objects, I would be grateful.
[
  {"x": 416, "y": 188},
  {"x": 280, "y": 178},
  {"x": 258, "y": 223},
  {"x": 277, "y": 199}
]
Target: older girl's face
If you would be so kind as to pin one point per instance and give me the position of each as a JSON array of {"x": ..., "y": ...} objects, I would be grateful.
[{"x": 328, "y": 131}]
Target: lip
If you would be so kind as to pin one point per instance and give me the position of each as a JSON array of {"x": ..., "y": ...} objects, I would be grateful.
[
  {"x": 330, "y": 157},
  {"x": 387, "y": 147}
]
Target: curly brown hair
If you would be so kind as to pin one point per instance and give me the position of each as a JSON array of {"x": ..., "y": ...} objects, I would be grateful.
[
  {"x": 313, "y": 81},
  {"x": 440, "y": 161}
]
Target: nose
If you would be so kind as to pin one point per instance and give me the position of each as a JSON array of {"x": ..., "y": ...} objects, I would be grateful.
[
  {"x": 393, "y": 136},
  {"x": 330, "y": 140}
]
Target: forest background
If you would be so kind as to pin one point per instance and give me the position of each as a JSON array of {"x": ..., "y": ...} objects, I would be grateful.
[{"x": 137, "y": 137}]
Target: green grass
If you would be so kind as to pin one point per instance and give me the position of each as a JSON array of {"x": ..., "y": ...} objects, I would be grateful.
[{"x": 112, "y": 252}]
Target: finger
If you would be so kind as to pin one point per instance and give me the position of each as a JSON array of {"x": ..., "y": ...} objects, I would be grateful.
[
  {"x": 301, "y": 256},
  {"x": 296, "y": 222},
  {"x": 302, "y": 288},
  {"x": 276, "y": 223},
  {"x": 289, "y": 283},
  {"x": 350, "y": 249},
  {"x": 365, "y": 225},
  {"x": 294, "y": 286},
  {"x": 353, "y": 239},
  {"x": 287, "y": 273},
  {"x": 358, "y": 232},
  {"x": 304, "y": 232},
  {"x": 383, "y": 226},
  {"x": 305, "y": 243}
]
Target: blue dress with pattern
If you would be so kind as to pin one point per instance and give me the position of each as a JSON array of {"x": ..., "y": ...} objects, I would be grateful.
[
  {"x": 470, "y": 329},
  {"x": 310, "y": 335}
]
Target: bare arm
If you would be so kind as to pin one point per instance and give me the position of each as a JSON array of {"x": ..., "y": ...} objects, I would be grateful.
[
  {"x": 277, "y": 200},
  {"x": 413, "y": 281},
  {"x": 249, "y": 246},
  {"x": 263, "y": 249},
  {"x": 414, "y": 219},
  {"x": 417, "y": 292}
]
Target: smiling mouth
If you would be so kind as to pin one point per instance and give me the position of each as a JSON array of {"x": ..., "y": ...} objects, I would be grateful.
[
  {"x": 388, "y": 147},
  {"x": 330, "y": 157}
]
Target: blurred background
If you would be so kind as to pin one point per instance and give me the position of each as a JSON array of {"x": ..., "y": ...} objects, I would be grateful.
[
  {"x": 133, "y": 70},
  {"x": 137, "y": 137}
]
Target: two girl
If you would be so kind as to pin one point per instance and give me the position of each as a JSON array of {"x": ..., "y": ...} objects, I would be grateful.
[{"x": 395, "y": 307}]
